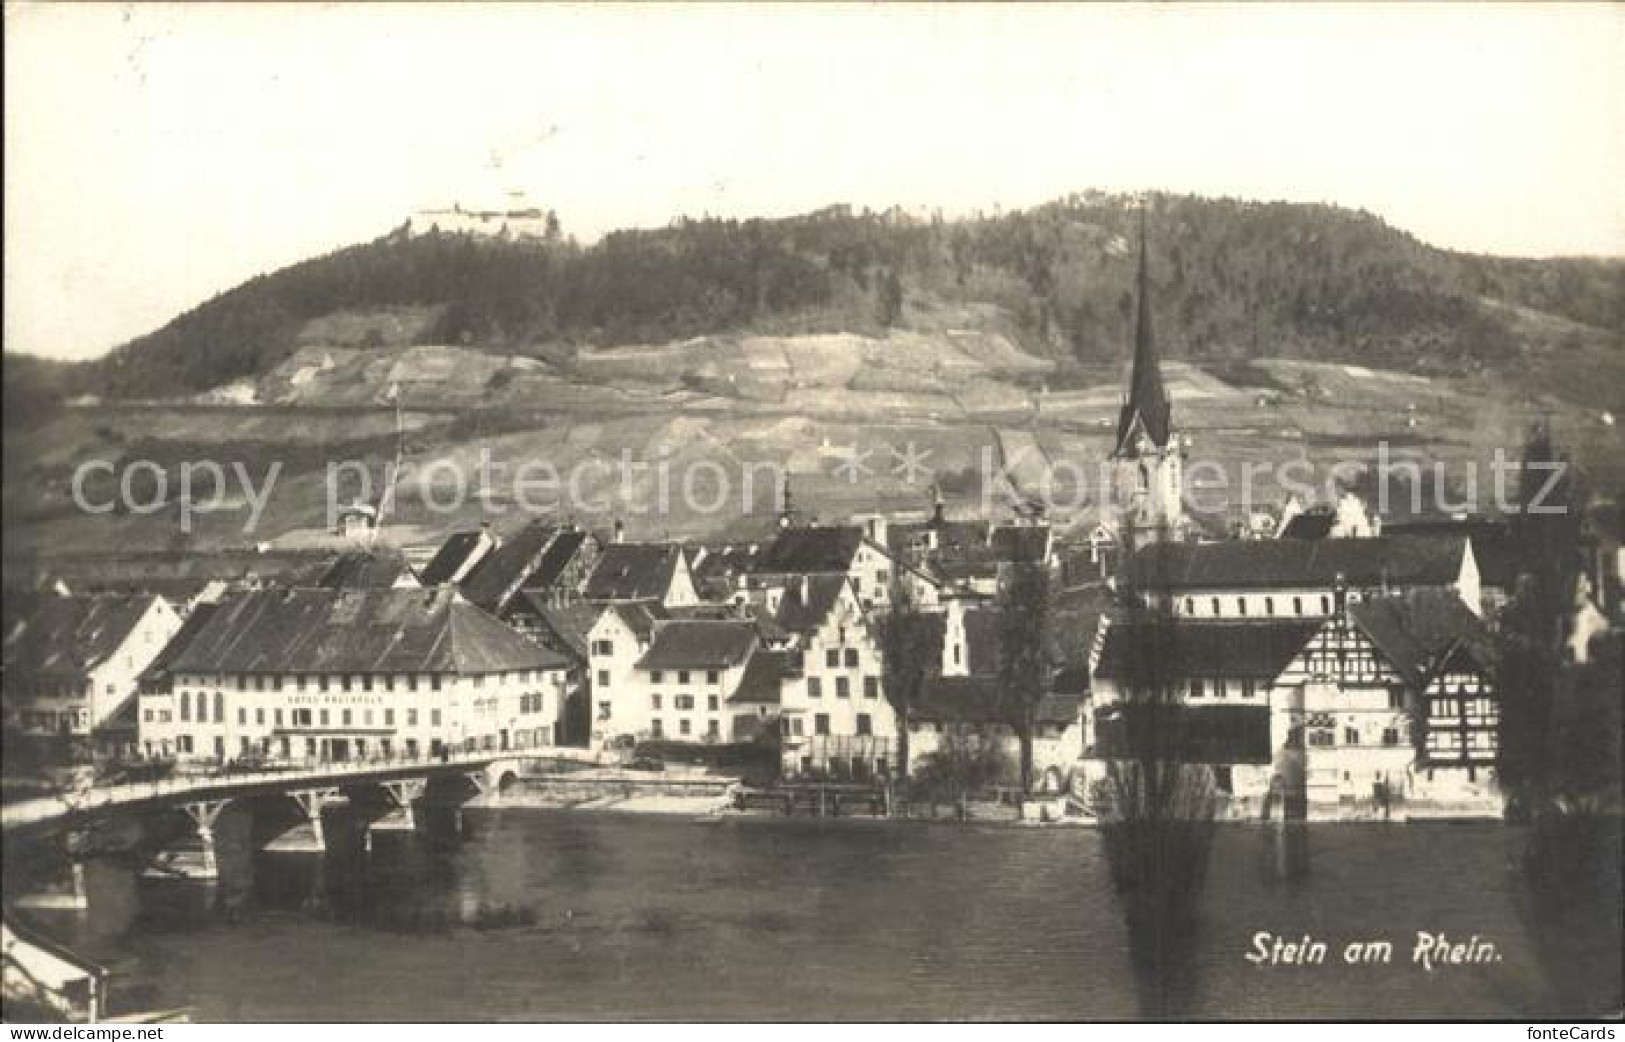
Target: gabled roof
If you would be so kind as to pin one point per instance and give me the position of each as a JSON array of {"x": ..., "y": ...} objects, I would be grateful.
[
  {"x": 810, "y": 549},
  {"x": 807, "y": 602},
  {"x": 951, "y": 535},
  {"x": 571, "y": 623},
  {"x": 763, "y": 679},
  {"x": 1200, "y": 648},
  {"x": 633, "y": 572},
  {"x": 451, "y": 557},
  {"x": 640, "y": 617},
  {"x": 1404, "y": 560},
  {"x": 699, "y": 644},
  {"x": 361, "y": 570},
  {"x": 515, "y": 565},
  {"x": 159, "y": 667},
  {"x": 1314, "y": 523},
  {"x": 49, "y": 635},
  {"x": 1415, "y": 631},
  {"x": 358, "y": 631}
]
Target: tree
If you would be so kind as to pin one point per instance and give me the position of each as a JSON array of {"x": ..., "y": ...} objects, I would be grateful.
[
  {"x": 891, "y": 298},
  {"x": 1023, "y": 628},
  {"x": 964, "y": 762},
  {"x": 911, "y": 654}
]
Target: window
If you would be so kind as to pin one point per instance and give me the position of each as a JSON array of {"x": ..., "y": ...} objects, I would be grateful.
[
  {"x": 434, "y": 682},
  {"x": 242, "y": 716},
  {"x": 1247, "y": 689},
  {"x": 603, "y": 678},
  {"x": 832, "y": 658},
  {"x": 345, "y": 718},
  {"x": 434, "y": 718},
  {"x": 712, "y": 677},
  {"x": 603, "y": 647},
  {"x": 843, "y": 687},
  {"x": 851, "y": 658},
  {"x": 259, "y": 717},
  {"x": 366, "y": 682},
  {"x": 682, "y": 676},
  {"x": 1216, "y": 609},
  {"x": 1269, "y": 605},
  {"x": 1390, "y": 736},
  {"x": 186, "y": 706},
  {"x": 713, "y": 730},
  {"x": 411, "y": 718},
  {"x": 1197, "y": 688},
  {"x": 684, "y": 727},
  {"x": 655, "y": 677},
  {"x": 324, "y": 718},
  {"x": 412, "y": 682},
  {"x": 821, "y": 724},
  {"x": 389, "y": 683},
  {"x": 815, "y": 687},
  {"x": 656, "y": 728},
  {"x": 1297, "y": 605},
  {"x": 1190, "y": 606},
  {"x": 322, "y": 682},
  {"x": 871, "y": 687},
  {"x": 219, "y": 708},
  {"x": 1325, "y": 605},
  {"x": 1220, "y": 688},
  {"x": 654, "y": 700},
  {"x": 299, "y": 683},
  {"x": 389, "y": 718},
  {"x": 344, "y": 682},
  {"x": 278, "y": 717},
  {"x": 1241, "y": 605},
  {"x": 366, "y": 717},
  {"x": 863, "y": 724},
  {"x": 1351, "y": 736},
  {"x": 711, "y": 702},
  {"x": 1396, "y": 698},
  {"x": 683, "y": 701}
]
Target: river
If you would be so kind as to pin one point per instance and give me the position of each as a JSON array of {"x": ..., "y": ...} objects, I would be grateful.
[{"x": 623, "y": 917}]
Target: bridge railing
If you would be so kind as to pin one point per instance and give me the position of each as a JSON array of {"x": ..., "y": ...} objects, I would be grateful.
[{"x": 94, "y": 797}]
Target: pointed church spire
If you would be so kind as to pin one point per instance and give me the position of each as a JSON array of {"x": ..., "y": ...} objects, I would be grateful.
[{"x": 1147, "y": 402}]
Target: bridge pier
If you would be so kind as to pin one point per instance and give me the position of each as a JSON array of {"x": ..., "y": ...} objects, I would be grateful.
[
  {"x": 309, "y": 837},
  {"x": 202, "y": 864},
  {"x": 403, "y": 794}
]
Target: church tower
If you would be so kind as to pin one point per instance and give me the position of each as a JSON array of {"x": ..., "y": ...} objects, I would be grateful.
[{"x": 1147, "y": 451}]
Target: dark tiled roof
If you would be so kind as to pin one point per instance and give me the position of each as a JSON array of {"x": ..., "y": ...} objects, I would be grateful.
[
  {"x": 810, "y": 549},
  {"x": 724, "y": 560},
  {"x": 699, "y": 644},
  {"x": 159, "y": 667},
  {"x": 557, "y": 557},
  {"x": 640, "y": 617},
  {"x": 951, "y": 535},
  {"x": 1491, "y": 538},
  {"x": 45, "y": 634},
  {"x": 360, "y": 570},
  {"x": 1025, "y": 543},
  {"x": 633, "y": 572},
  {"x": 571, "y": 623},
  {"x": 450, "y": 558},
  {"x": 1311, "y": 524},
  {"x": 1402, "y": 560},
  {"x": 807, "y": 602},
  {"x": 763, "y": 678},
  {"x": 358, "y": 631},
  {"x": 505, "y": 570},
  {"x": 1414, "y": 631},
  {"x": 1190, "y": 648}
]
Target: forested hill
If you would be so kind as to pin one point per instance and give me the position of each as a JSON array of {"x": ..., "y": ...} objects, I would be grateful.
[{"x": 1231, "y": 280}]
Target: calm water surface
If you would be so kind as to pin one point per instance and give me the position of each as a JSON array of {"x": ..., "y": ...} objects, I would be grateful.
[{"x": 770, "y": 919}]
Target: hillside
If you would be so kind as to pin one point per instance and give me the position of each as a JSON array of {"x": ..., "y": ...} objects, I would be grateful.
[{"x": 1232, "y": 281}]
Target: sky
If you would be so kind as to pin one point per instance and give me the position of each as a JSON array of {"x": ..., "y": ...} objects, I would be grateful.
[{"x": 156, "y": 155}]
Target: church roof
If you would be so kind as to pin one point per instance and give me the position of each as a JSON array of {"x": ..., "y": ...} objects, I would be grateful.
[{"x": 1147, "y": 408}]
